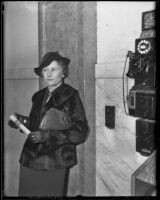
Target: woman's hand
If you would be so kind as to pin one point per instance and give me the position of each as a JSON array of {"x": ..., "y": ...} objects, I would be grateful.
[
  {"x": 20, "y": 118},
  {"x": 39, "y": 136},
  {"x": 12, "y": 124}
]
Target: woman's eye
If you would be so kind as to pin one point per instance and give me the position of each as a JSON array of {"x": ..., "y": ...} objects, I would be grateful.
[{"x": 44, "y": 70}]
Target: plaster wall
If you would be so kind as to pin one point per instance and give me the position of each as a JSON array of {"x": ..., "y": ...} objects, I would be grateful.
[{"x": 118, "y": 25}]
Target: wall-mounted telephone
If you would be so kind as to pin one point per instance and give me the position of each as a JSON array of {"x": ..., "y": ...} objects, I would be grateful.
[
  {"x": 142, "y": 64},
  {"x": 142, "y": 68}
]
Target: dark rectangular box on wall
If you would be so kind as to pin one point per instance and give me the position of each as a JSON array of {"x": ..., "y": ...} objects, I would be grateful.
[
  {"x": 110, "y": 116},
  {"x": 148, "y": 20},
  {"x": 142, "y": 103},
  {"x": 145, "y": 136}
]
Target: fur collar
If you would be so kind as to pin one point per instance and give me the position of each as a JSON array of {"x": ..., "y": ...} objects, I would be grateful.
[{"x": 61, "y": 94}]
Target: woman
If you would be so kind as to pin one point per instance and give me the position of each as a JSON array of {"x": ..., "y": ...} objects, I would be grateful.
[{"x": 49, "y": 153}]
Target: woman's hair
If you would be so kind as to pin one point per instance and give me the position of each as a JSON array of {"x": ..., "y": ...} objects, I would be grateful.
[{"x": 64, "y": 66}]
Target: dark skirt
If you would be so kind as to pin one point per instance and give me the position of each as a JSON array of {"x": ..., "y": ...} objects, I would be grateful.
[{"x": 34, "y": 183}]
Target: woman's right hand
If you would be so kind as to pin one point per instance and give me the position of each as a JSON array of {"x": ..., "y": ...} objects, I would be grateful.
[
  {"x": 12, "y": 124},
  {"x": 19, "y": 117}
]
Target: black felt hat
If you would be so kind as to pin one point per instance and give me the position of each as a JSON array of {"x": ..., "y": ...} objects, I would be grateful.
[{"x": 48, "y": 58}]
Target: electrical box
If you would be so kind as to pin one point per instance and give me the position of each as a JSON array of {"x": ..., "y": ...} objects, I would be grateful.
[
  {"x": 142, "y": 103},
  {"x": 110, "y": 116},
  {"x": 145, "y": 136}
]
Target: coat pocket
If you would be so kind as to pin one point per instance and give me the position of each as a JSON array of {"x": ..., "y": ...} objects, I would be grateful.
[{"x": 67, "y": 155}]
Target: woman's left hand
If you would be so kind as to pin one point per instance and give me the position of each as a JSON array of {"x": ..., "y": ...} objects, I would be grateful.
[{"x": 39, "y": 136}]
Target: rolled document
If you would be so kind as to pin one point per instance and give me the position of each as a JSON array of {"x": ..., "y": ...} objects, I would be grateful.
[{"x": 20, "y": 125}]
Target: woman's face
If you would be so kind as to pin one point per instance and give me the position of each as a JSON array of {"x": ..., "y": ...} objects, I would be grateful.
[{"x": 52, "y": 74}]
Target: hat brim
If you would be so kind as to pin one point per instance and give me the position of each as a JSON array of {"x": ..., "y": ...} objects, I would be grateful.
[{"x": 38, "y": 69}]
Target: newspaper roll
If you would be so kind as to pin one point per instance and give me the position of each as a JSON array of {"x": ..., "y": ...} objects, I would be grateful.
[{"x": 20, "y": 125}]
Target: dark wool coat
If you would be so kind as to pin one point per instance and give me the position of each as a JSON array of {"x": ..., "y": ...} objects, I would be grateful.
[{"x": 60, "y": 150}]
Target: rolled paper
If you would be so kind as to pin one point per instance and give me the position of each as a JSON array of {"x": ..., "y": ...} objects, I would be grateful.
[{"x": 20, "y": 125}]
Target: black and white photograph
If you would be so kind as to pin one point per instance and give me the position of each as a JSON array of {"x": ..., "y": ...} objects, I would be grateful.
[{"x": 79, "y": 99}]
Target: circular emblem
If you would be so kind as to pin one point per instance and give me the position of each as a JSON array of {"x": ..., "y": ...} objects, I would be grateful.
[{"x": 144, "y": 47}]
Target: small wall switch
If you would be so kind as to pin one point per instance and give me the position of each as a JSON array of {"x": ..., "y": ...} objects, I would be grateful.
[{"x": 110, "y": 116}]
